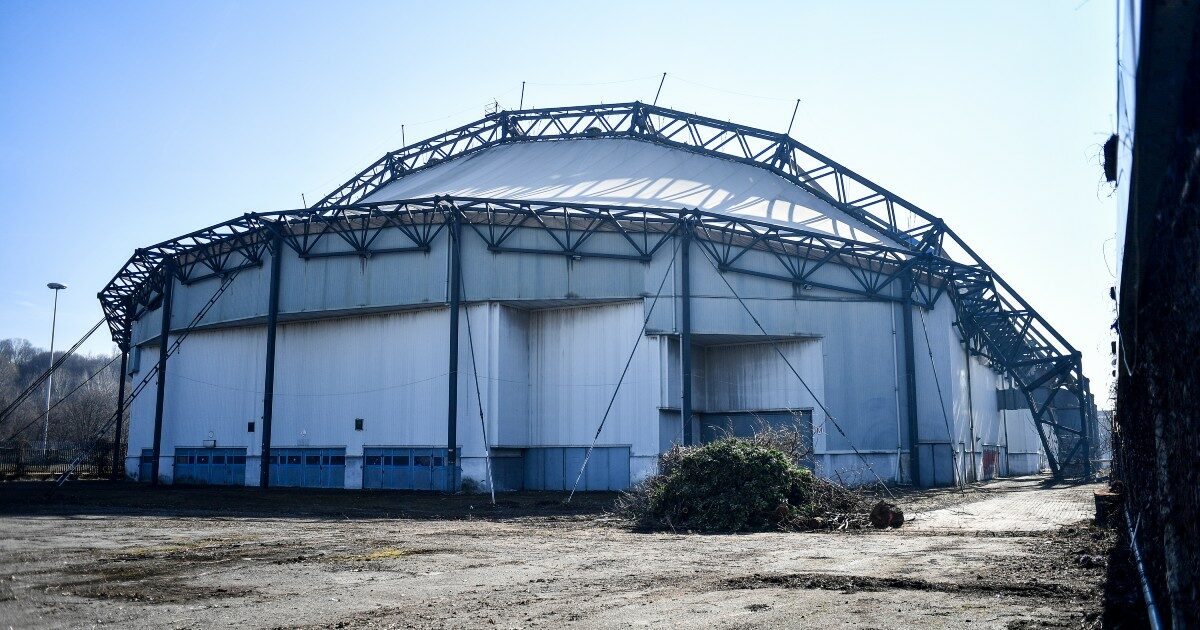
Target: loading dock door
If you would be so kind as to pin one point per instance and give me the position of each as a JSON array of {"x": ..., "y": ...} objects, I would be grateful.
[
  {"x": 308, "y": 467},
  {"x": 215, "y": 466},
  {"x": 555, "y": 468},
  {"x": 146, "y": 465},
  {"x": 404, "y": 468}
]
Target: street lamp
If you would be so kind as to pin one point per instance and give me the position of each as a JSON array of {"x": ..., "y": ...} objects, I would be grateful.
[{"x": 50, "y": 381}]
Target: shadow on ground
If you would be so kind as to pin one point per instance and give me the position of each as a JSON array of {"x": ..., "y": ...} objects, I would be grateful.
[{"x": 117, "y": 498}]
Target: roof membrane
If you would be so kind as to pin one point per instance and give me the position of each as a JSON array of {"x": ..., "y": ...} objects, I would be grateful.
[{"x": 626, "y": 172}]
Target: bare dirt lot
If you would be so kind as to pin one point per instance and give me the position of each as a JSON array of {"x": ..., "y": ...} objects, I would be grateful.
[{"x": 1011, "y": 554}]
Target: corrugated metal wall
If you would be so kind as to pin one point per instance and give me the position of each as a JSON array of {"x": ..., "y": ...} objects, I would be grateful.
[
  {"x": 546, "y": 375},
  {"x": 576, "y": 359}
]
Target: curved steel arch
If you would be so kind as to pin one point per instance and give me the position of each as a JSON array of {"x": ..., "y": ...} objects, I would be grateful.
[{"x": 995, "y": 321}]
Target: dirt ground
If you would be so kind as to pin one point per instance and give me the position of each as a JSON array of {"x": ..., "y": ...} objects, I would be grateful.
[{"x": 1012, "y": 553}]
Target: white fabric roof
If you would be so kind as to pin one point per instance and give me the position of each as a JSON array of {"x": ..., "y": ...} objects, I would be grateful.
[{"x": 621, "y": 171}]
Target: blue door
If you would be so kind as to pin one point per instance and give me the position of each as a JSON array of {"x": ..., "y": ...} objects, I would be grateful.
[
  {"x": 146, "y": 465},
  {"x": 210, "y": 466},
  {"x": 403, "y": 468},
  {"x": 557, "y": 467},
  {"x": 308, "y": 467}
]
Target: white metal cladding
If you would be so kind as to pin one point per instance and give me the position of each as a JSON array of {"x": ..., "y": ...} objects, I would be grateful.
[
  {"x": 621, "y": 171},
  {"x": 935, "y": 412},
  {"x": 317, "y": 287},
  {"x": 546, "y": 376},
  {"x": 214, "y": 387},
  {"x": 751, "y": 377},
  {"x": 390, "y": 370},
  {"x": 141, "y": 413},
  {"x": 576, "y": 359},
  {"x": 377, "y": 326}
]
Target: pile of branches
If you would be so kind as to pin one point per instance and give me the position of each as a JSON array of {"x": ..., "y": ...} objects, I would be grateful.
[{"x": 741, "y": 485}]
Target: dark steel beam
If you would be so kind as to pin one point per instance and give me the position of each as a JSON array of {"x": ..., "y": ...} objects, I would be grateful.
[
  {"x": 161, "y": 386},
  {"x": 454, "y": 300},
  {"x": 268, "y": 413},
  {"x": 993, "y": 319},
  {"x": 685, "y": 333},
  {"x": 118, "y": 465},
  {"x": 910, "y": 380}
]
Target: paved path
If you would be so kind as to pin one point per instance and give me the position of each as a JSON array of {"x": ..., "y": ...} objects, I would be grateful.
[{"x": 1024, "y": 504}]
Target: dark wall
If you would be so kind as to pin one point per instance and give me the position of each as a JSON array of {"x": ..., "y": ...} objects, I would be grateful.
[{"x": 1157, "y": 440}]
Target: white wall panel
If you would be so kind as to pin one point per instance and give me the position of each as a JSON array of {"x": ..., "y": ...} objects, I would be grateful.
[
  {"x": 141, "y": 411},
  {"x": 214, "y": 387},
  {"x": 576, "y": 359},
  {"x": 748, "y": 377},
  {"x": 388, "y": 369}
]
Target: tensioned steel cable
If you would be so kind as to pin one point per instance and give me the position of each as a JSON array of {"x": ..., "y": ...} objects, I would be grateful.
[
  {"x": 487, "y": 447},
  {"x": 642, "y": 333},
  {"x": 945, "y": 416},
  {"x": 12, "y": 406},
  {"x": 65, "y": 397},
  {"x": 123, "y": 405},
  {"x": 779, "y": 351}
]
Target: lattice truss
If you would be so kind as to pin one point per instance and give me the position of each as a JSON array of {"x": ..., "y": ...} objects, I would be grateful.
[{"x": 995, "y": 321}]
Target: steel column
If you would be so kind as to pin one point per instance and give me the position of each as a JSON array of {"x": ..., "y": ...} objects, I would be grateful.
[
  {"x": 163, "y": 342},
  {"x": 685, "y": 333},
  {"x": 452, "y": 384},
  {"x": 116, "y": 458},
  {"x": 264, "y": 479},
  {"x": 1088, "y": 426},
  {"x": 910, "y": 378}
]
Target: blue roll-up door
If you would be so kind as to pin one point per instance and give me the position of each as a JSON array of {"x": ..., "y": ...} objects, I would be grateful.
[
  {"x": 556, "y": 468},
  {"x": 210, "y": 466},
  {"x": 308, "y": 467},
  {"x": 404, "y": 468},
  {"x": 146, "y": 465}
]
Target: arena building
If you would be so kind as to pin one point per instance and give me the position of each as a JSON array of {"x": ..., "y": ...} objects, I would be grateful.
[{"x": 497, "y": 304}]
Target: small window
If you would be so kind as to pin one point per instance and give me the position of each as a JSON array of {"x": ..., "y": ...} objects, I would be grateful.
[
  {"x": 293, "y": 459},
  {"x": 437, "y": 461},
  {"x": 373, "y": 460},
  {"x": 401, "y": 460},
  {"x": 147, "y": 458},
  {"x": 337, "y": 460},
  {"x": 218, "y": 459},
  {"x": 238, "y": 459},
  {"x": 358, "y": 424},
  {"x": 312, "y": 460},
  {"x": 250, "y": 427},
  {"x": 421, "y": 460},
  {"x": 201, "y": 459}
]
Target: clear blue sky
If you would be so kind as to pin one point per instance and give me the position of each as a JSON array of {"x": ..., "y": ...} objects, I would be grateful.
[{"x": 124, "y": 124}]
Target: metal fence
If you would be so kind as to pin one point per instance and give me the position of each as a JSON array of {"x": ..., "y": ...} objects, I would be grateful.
[{"x": 27, "y": 459}]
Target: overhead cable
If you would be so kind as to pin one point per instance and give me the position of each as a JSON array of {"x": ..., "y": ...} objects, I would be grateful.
[
  {"x": 641, "y": 333},
  {"x": 811, "y": 393}
]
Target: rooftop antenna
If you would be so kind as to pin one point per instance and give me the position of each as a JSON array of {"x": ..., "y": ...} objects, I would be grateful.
[
  {"x": 491, "y": 108},
  {"x": 522, "y": 105},
  {"x": 403, "y": 142},
  {"x": 793, "y": 120},
  {"x": 303, "y": 201},
  {"x": 660, "y": 84}
]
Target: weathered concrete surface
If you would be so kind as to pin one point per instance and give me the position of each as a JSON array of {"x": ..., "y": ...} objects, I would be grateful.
[
  {"x": 1010, "y": 505},
  {"x": 77, "y": 564}
]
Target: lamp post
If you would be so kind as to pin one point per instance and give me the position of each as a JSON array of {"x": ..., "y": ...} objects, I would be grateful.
[{"x": 50, "y": 381}]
